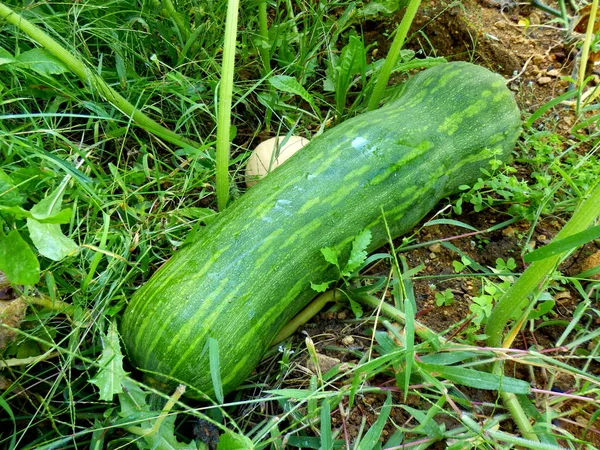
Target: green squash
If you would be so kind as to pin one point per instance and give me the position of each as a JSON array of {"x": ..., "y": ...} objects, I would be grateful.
[{"x": 250, "y": 270}]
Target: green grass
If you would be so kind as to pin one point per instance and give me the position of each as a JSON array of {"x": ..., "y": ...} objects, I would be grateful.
[{"x": 126, "y": 196}]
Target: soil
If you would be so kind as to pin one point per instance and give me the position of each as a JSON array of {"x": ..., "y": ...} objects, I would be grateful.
[{"x": 527, "y": 47}]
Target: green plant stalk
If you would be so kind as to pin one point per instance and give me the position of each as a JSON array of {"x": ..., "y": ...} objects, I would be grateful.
[
  {"x": 393, "y": 54},
  {"x": 224, "y": 104},
  {"x": 585, "y": 52},
  {"x": 305, "y": 315},
  {"x": 89, "y": 77},
  {"x": 514, "y": 298},
  {"x": 263, "y": 29},
  {"x": 178, "y": 19}
]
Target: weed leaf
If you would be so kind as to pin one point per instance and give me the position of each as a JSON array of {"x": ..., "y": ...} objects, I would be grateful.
[
  {"x": 42, "y": 61},
  {"x": 330, "y": 256},
  {"x": 358, "y": 254},
  {"x": 110, "y": 374},
  {"x": 371, "y": 438},
  {"x": 215, "y": 368},
  {"x": 320, "y": 287},
  {"x": 17, "y": 260},
  {"x": 478, "y": 379},
  {"x": 326, "y": 436},
  {"x": 9, "y": 196},
  {"x": 6, "y": 57},
  {"x": 234, "y": 441},
  {"x": 290, "y": 85},
  {"x": 47, "y": 237},
  {"x": 564, "y": 245}
]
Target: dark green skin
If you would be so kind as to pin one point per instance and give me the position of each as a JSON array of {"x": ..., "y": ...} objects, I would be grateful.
[{"x": 250, "y": 271}]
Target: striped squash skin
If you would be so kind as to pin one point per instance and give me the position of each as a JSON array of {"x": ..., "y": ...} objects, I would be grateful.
[{"x": 250, "y": 271}]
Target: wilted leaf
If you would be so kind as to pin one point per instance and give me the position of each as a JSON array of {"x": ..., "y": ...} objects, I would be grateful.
[{"x": 12, "y": 313}]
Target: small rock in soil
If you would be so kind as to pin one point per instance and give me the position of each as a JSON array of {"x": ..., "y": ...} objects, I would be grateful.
[
  {"x": 544, "y": 80},
  {"x": 325, "y": 362}
]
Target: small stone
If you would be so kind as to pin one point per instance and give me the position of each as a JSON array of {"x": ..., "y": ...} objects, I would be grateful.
[
  {"x": 432, "y": 255},
  {"x": 541, "y": 238},
  {"x": 553, "y": 73},
  {"x": 500, "y": 24},
  {"x": 325, "y": 362},
  {"x": 342, "y": 315},
  {"x": 436, "y": 248},
  {"x": 544, "y": 80},
  {"x": 538, "y": 59},
  {"x": 348, "y": 340},
  {"x": 592, "y": 262}
]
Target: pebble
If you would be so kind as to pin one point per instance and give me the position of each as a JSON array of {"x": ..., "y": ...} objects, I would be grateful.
[
  {"x": 544, "y": 80},
  {"x": 553, "y": 73},
  {"x": 348, "y": 340},
  {"x": 435, "y": 248}
]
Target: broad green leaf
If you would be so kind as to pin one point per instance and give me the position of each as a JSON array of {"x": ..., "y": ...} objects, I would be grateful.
[
  {"x": 132, "y": 399},
  {"x": 164, "y": 438},
  {"x": 17, "y": 260},
  {"x": 564, "y": 245},
  {"x": 6, "y": 57},
  {"x": 49, "y": 240},
  {"x": 61, "y": 217},
  {"x": 110, "y": 373},
  {"x": 371, "y": 438},
  {"x": 47, "y": 237},
  {"x": 358, "y": 254},
  {"x": 477, "y": 379},
  {"x": 378, "y": 7},
  {"x": 330, "y": 256},
  {"x": 234, "y": 441},
  {"x": 290, "y": 85},
  {"x": 42, "y": 61},
  {"x": 9, "y": 195}
]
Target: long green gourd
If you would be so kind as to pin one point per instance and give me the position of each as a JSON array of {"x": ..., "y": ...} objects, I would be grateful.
[{"x": 250, "y": 270}]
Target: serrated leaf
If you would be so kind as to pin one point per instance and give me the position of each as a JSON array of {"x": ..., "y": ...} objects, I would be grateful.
[
  {"x": 42, "y": 61},
  {"x": 111, "y": 373},
  {"x": 234, "y": 441},
  {"x": 358, "y": 254},
  {"x": 17, "y": 260},
  {"x": 330, "y": 256},
  {"x": 356, "y": 308},
  {"x": 320, "y": 287}
]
